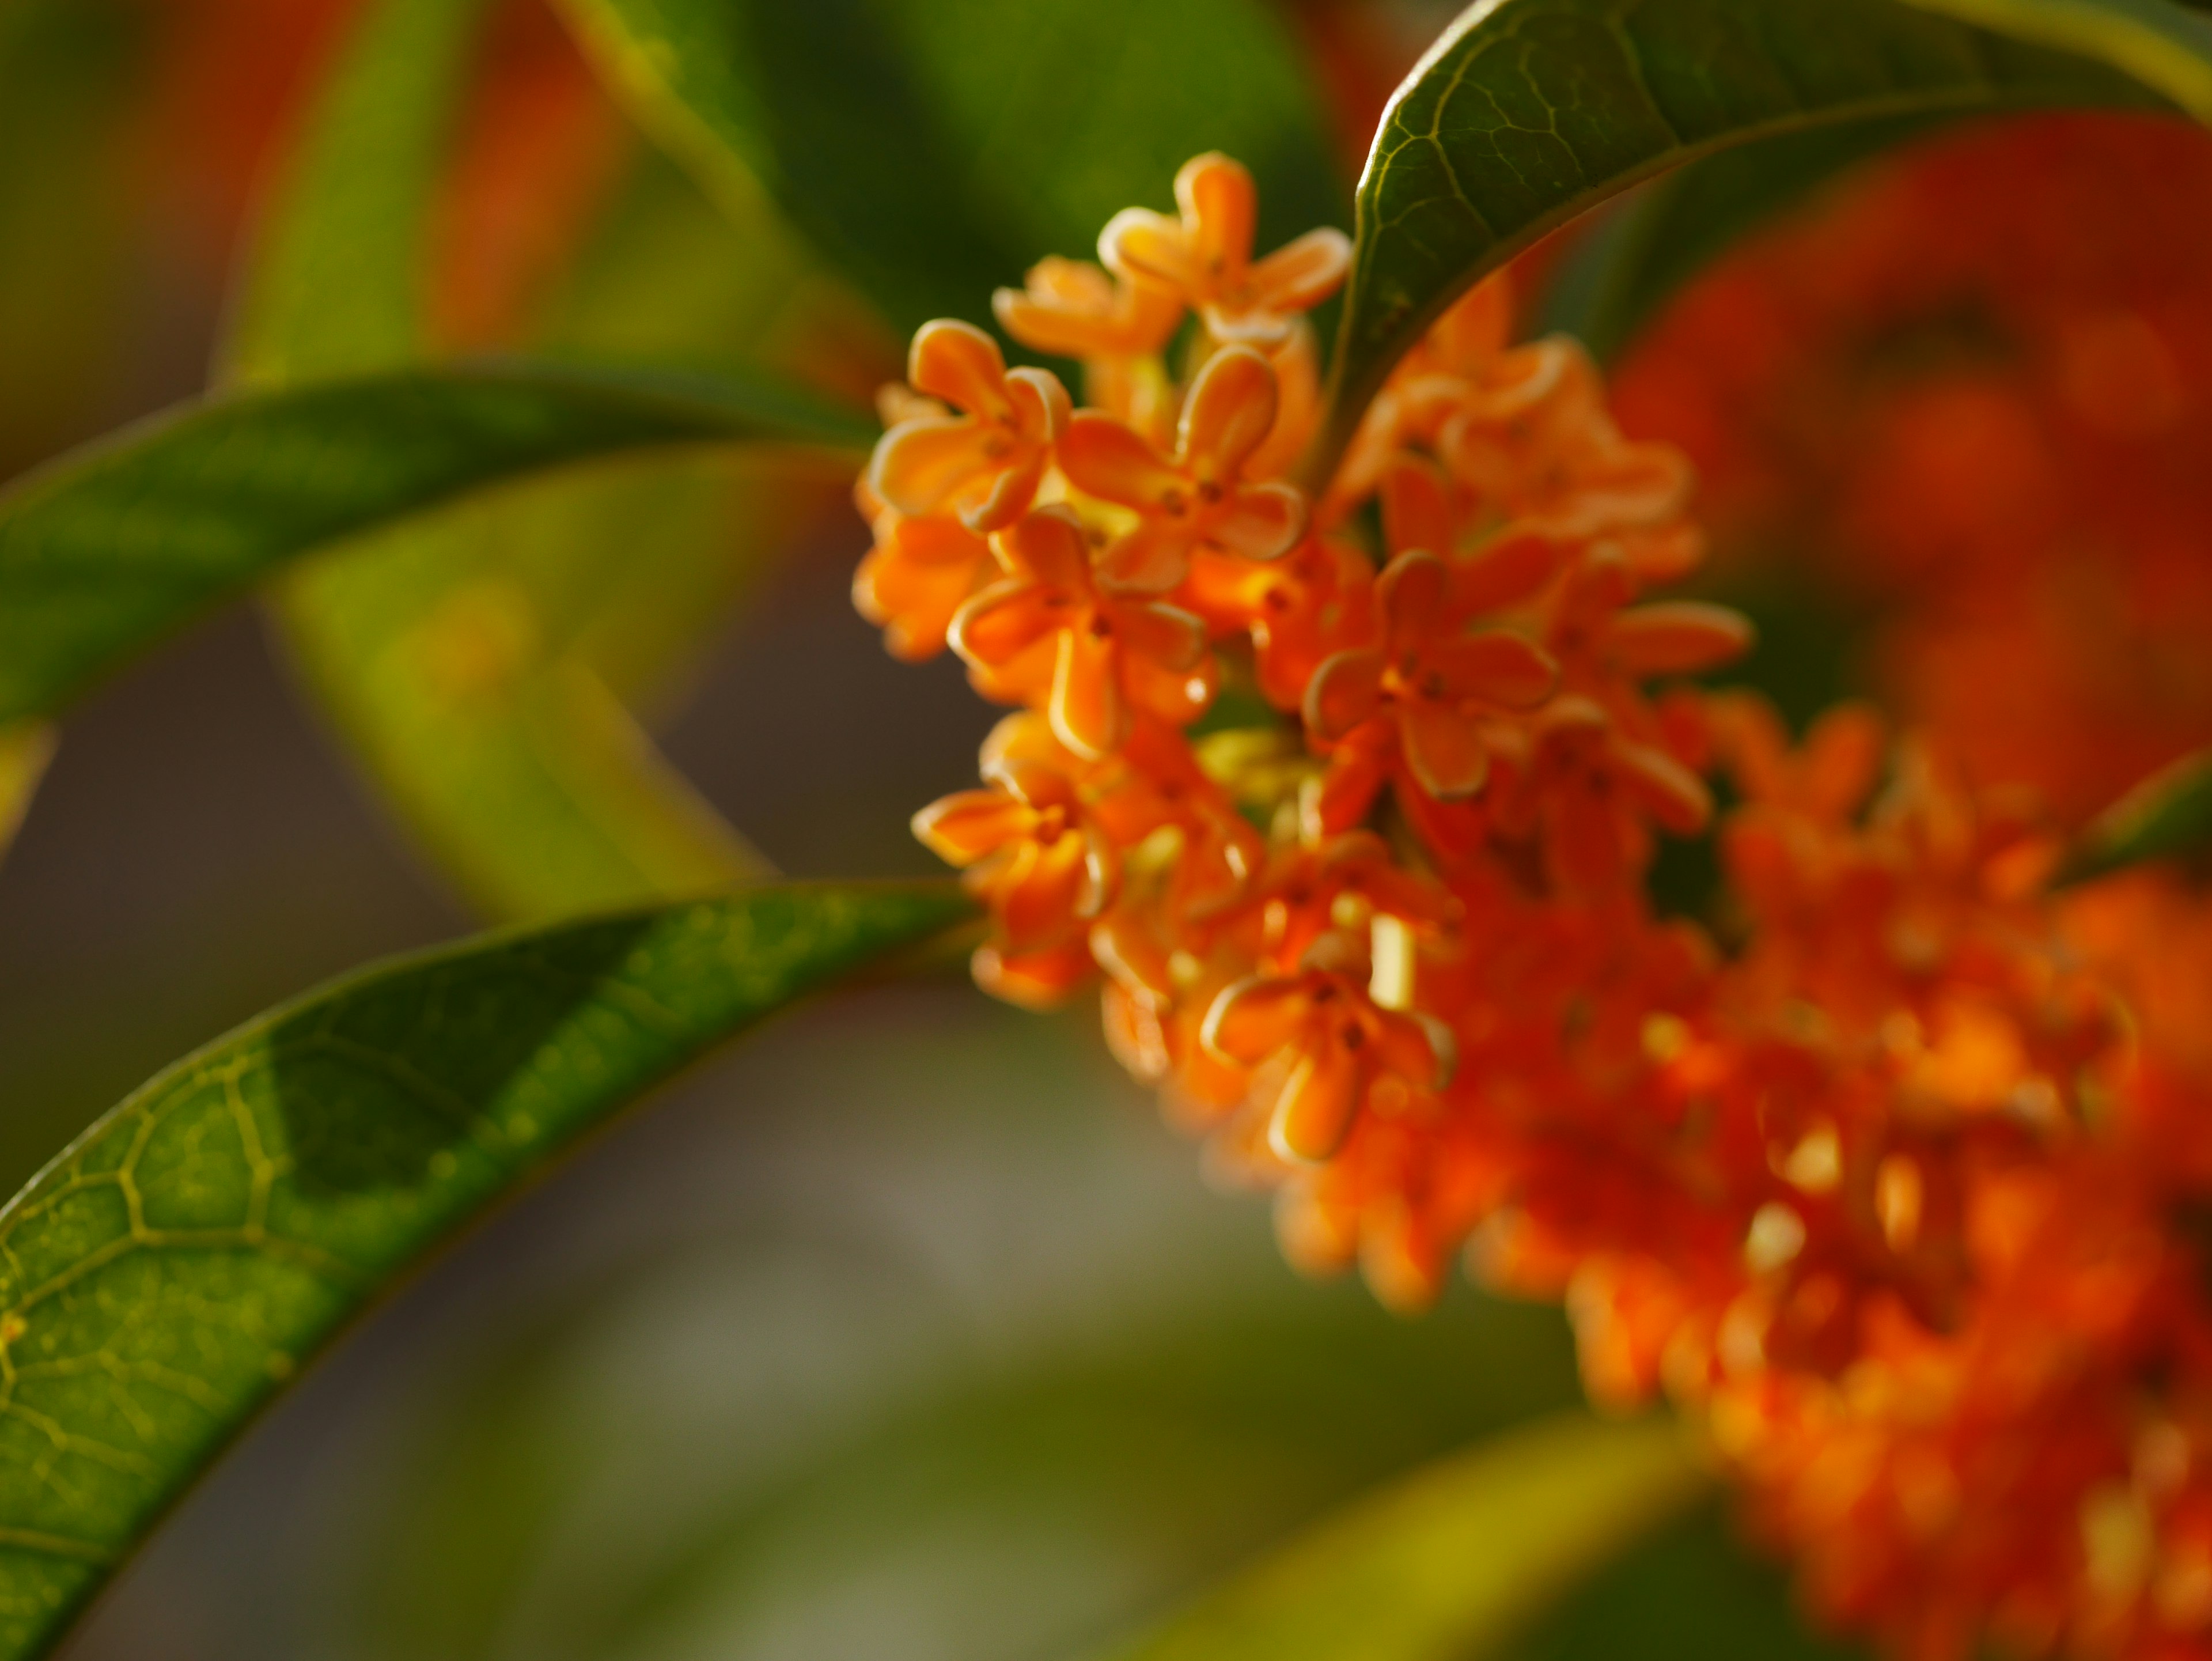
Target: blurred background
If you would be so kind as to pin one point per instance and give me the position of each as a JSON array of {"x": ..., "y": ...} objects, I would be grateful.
[{"x": 907, "y": 1331}]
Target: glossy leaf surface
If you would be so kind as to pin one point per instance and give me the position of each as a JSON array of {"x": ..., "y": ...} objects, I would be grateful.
[
  {"x": 165, "y": 1276},
  {"x": 1528, "y": 113},
  {"x": 2168, "y": 816},
  {"x": 932, "y": 150},
  {"x": 1454, "y": 1561},
  {"x": 116, "y": 546}
]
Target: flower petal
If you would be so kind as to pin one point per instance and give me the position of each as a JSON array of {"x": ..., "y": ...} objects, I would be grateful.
[
  {"x": 1009, "y": 496},
  {"x": 1301, "y": 274},
  {"x": 1154, "y": 557},
  {"x": 1252, "y": 1018},
  {"x": 965, "y": 828},
  {"x": 1676, "y": 637},
  {"x": 1166, "y": 635},
  {"x": 1261, "y": 521},
  {"x": 1316, "y": 1105},
  {"x": 1104, "y": 459},
  {"x": 1417, "y": 1048},
  {"x": 1670, "y": 792},
  {"x": 1444, "y": 748},
  {"x": 1510, "y": 568},
  {"x": 1495, "y": 666},
  {"x": 1040, "y": 404},
  {"x": 961, "y": 364},
  {"x": 1345, "y": 693},
  {"x": 1416, "y": 509},
  {"x": 1087, "y": 712},
  {"x": 920, "y": 465},
  {"x": 1220, "y": 209},
  {"x": 1230, "y": 410},
  {"x": 1049, "y": 546},
  {"x": 1007, "y": 618},
  {"x": 1032, "y": 980},
  {"x": 1143, "y": 246},
  {"x": 1414, "y": 595}
]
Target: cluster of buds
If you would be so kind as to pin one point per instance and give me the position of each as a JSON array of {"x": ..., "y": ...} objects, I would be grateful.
[{"x": 1347, "y": 792}]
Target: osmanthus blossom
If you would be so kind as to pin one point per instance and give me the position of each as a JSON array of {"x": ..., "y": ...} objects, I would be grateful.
[{"x": 1884, "y": 1176}]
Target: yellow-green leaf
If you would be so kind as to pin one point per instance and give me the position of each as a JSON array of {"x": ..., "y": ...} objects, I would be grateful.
[
  {"x": 1452, "y": 1562},
  {"x": 177, "y": 1265},
  {"x": 2168, "y": 816},
  {"x": 26, "y": 747}
]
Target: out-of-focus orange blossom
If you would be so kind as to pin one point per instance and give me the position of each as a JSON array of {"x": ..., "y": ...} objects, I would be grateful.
[{"x": 1972, "y": 385}]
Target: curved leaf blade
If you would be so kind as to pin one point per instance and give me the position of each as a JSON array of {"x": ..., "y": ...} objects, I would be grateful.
[
  {"x": 932, "y": 149},
  {"x": 26, "y": 747},
  {"x": 1452, "y": 1563},
  {"x": 118, "y": 544},
  {"x": 177, "y": 1264},
  {"x": 2168, "y": 816},
  {"x": 2159, "y": 43},
  {"x": 1527, "y": 113}
]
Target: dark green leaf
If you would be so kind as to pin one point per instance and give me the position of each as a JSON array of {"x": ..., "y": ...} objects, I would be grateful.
[
  {"x": 166, "y": 1275},
  {"x": 1454, "y": 1561},
  {"x": 932, "y": 149},
  {"x": 118, "y": 544},
  {"x": 2168, "y": 816},
  {"x": 1528, "y": 113}
]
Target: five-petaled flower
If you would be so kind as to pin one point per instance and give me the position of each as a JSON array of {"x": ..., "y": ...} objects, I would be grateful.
[
  {"x": 1204, "y": 258},
  {"x": 985, "y": 463},
  {"x": 1429, "y": 679},
  {"x": 1199, "y": 497}
]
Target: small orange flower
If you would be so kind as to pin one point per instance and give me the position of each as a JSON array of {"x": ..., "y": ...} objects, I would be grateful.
[
  {"x": 985, "y": 463},
  {"x": 1204, "y": 257},
  {"x": 1330, "y": 1037},
  {"x": 1591, "y": 787},
  {"x": 920, "y": 573},
  {"x": 1428, "y": 680},
  {"x": 1072, "y": 308},
  {"x": 1106, "y": 650},
  {"x": 1200, "y": 498},
  {"x": 1034, "y": 854}
]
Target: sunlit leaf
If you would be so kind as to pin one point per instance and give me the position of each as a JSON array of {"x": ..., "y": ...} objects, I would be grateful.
[
  {"x": 932, "y": 150},
  {"x": 116, "y": 546},
  {"x": 1454, "y": 1561},
  {"x": 1528, "y": 113},
  {"x": 26, "y": 747},
  {"x": 2168, "y": 816},
  {"x": 178, "y": 1264}
]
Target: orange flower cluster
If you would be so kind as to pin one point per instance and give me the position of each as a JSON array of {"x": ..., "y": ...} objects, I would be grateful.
[
  {"x": 1347, "y": 792},
  {"x": 1966, "y": 385}
]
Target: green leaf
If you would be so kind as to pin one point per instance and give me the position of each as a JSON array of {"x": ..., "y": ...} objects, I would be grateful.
[
  {"x": 175, "y": 1267},
  {"x": 1527, "y": 113},
  {"x": 116, "y": 546},
  {"x": 932, "y": 149},
  {"x": 1452, "y": 1563},
  {"x": 26, "y": 747},
  {"x": 2168, "y": 816}
]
